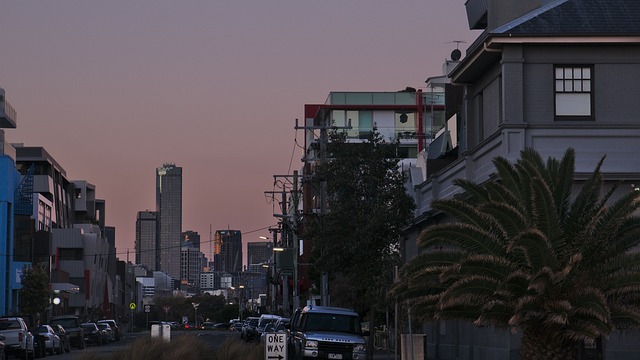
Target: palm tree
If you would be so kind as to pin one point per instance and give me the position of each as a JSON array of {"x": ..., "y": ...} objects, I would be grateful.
[{"x": 534, "y": 253}]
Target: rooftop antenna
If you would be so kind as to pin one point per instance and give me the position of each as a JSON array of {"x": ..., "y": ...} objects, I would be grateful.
[{"x": 456, "y": 54}]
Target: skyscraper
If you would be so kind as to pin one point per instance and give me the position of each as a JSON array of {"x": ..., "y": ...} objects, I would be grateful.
[
  {"x": 169, "y": 208},
  {"x": 147, "y": 240},
  {"x": 259, "y": 252},
  {"x": 227, "y": 251}
]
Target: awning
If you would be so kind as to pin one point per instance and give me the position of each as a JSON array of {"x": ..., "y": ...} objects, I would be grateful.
[{"x": 65, "y": 287}]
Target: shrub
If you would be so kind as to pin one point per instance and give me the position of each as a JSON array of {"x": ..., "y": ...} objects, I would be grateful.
[{"x": 184, "y": 347}]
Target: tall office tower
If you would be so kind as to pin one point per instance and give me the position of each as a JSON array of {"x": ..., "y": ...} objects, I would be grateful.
[
  {"x": 259, "y": 252},
  {"x": 227, "y": 255},
  {"x": 147, "y": 240},
  {"x": 169, "y": 208}
]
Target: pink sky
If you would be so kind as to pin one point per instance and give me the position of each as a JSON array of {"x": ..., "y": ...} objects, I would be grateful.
[{"x": 113, "y": 89}]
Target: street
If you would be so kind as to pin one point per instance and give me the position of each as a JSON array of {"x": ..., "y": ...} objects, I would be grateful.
[{"x": 211, "y": 338}]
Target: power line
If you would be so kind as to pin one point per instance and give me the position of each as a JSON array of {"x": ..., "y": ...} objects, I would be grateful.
[{"x": 163, "y": 248}]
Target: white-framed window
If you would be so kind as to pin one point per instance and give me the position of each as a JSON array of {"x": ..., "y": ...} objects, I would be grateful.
[{"x": 573, "y": 92}]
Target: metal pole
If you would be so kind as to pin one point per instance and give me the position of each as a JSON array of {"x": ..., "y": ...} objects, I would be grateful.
[{"x": 296, "y": 251}]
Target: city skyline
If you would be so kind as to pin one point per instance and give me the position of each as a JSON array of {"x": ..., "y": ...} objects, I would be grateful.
[{"x": 114, "y": 89}]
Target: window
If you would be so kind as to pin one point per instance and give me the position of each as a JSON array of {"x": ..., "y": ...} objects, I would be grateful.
[{"x": 573, "y": 92}]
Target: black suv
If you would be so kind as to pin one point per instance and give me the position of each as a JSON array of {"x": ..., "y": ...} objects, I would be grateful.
[{"x": 71, "y": 325}]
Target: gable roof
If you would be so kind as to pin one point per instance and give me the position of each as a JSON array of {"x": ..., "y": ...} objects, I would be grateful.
[{"x": 578, "y": 17}]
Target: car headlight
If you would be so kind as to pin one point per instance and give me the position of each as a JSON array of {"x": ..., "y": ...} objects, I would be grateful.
[
  {"x": 311, "y": 344},
  {"x": 359, "y": 348}
]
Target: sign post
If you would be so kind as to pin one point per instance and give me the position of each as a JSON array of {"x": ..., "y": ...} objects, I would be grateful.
[{"x": 275, "y": 346}]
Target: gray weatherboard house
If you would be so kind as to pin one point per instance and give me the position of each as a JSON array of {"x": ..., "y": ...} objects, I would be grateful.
[{"x": 547, "y": 75}]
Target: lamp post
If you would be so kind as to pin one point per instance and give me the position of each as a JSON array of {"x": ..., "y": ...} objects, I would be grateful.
[
  {"x": 240, "y": 301},
  {"x": 195, "y": 307}
]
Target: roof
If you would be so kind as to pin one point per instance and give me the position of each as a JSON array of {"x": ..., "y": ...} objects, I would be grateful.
[
  {"x": 578, "y": 17},
  {"x": 328, "y": 310}
]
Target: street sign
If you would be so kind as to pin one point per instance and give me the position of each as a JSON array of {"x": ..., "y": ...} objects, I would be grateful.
[
  {"x": 132, "y": 306},
  {"x": 147, "y": 308},
  {"x": 275, "y": 346}
]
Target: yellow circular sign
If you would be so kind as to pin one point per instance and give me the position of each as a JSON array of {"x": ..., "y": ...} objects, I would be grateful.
[{"x": 132, "y": 306}]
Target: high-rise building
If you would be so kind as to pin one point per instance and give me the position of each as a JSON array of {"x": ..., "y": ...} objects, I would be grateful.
[
  {"x": 147, "y": 247},
  {"x": 259, "y": 252},
  {"x": 169, "y": 208},
  {"x": 190, "y": 239},
  {"x": 227, "y": 255},
  {"x": 191, "y": 268}
]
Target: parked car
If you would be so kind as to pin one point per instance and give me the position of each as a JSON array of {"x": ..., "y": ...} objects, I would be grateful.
[
  {"x": 114, "y": 327},
  {"x": 236, "y": 325},
  {"x": 39, "y": 348},
  {"x": 92, "y": 335},
  {"x": 51, "y": 340},
  {"x": 264, "y": 320},
  {"x": 2, "y": 338},
  {"x": 221, "y": 326},
  {"x": 71, "y": 325},
  {"x": 249, "y": 328},
  {"x": 64, "y": 338},
  {"x": 18, "y": 340},
  {"x": 206, "y": 325},
  {"x": 282, "y": 325},
  {"x": 110, "y": 336},
  {"x": 328, "y": 333}
]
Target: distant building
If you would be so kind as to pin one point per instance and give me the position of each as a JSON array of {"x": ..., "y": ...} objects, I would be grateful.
[
  {"x": 259, "y": 253},
  {"x": 147, "y": 240},
  {"x": 208, "y": 281},
  {"x": 227, "y": 255},
  {"x": 169, "y": 208},
  {"x": 190, "y": 239},
  {"x": 8, "y": 187},
  {"x": 191, "y": 268}
]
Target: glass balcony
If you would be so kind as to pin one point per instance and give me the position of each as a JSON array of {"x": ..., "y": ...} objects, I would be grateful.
[{"x": 383, "y": 98}]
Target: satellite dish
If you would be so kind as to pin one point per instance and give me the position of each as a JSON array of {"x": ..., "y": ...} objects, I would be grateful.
[{"x": 455, "y": 55}]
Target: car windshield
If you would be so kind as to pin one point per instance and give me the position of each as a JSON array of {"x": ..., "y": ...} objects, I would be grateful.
[
  {"x": 333, "y": 322},
  {"x": 43, "y": 329},
  {"x": 264, "y": 322},
  {"x": 66, "y": 323}
]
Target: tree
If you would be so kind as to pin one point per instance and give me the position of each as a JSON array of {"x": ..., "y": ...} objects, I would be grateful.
[
  {"x": 534, "y": 253},
  {"x": 368, "y": 209},
  {"x": 34, "y": 295}
]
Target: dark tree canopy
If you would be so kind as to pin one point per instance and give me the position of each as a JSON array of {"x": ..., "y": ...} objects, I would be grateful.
[
  {"x": 357, "y": 238},
  {"x": 34, "y": 294}
]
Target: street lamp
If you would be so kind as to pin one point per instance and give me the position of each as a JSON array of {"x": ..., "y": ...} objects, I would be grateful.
[
  {"x": 240, "y": 301},
  {"x": 195, "y": 307}
]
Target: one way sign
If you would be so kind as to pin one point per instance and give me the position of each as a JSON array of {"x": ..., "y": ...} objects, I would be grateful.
[{"x": 276, "y": 346}]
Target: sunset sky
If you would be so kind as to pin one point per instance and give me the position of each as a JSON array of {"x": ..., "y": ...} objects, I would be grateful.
[{"x": 114, "y": 89}]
